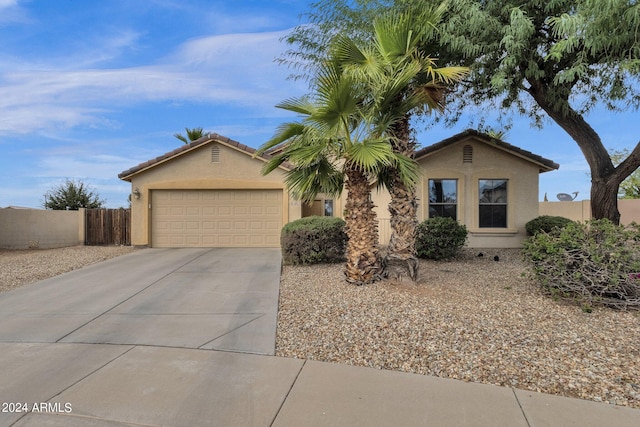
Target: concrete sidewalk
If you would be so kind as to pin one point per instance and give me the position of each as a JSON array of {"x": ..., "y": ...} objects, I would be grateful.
[{"x": 156, "y": 339}]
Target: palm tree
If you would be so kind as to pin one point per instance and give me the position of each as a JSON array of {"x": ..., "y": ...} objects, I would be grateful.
[
  {"x": 340, "y": 143},
  {"x": 397, "y": 50},
  {"x": 192, "y": 135}
]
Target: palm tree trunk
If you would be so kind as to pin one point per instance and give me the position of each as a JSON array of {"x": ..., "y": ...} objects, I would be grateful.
[
  {"x": 363, "y": 264},
  {"x": 401, "y": 261}
]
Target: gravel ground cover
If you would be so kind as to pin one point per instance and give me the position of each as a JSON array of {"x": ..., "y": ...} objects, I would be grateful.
[
  {"x": 472, "y": 319},
  {"x": 21, "y": 267}
]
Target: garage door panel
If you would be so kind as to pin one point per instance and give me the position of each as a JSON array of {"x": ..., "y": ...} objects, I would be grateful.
[
  {"x": 216, "y": 218},
  {"x": 177, "y": 210},
  {"x": 271, "y": 211},
  {"x": 210, "y": 210},
  {"x": 193, "y": 210},
  {"x": 225, "y": 210},
  {"x": 176, "y": 226},
  {"x": 240, "y": 225}
]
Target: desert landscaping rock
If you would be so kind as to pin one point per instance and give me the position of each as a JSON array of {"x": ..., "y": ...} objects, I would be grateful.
[
  {"x": 21, "y": 267},
  {"x": 472, "y": 319}
]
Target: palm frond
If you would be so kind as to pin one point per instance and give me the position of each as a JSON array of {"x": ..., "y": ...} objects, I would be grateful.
[
  {"x": 274, "y": 163},
  {"x": 346, "y": 51},
  {"x": 428, "y": 97},
  {"x": 284, "y": 133},
  {"x": 301, "y": 105},
  {"x": 408, "y": 169},
  {"x": 370, "y": 155},
  {"x": 307, "y": 152},
  {"x": 447, "y": 75},
  {"x": 307, "y": 182},
  {"x": 395, "y": 35}
]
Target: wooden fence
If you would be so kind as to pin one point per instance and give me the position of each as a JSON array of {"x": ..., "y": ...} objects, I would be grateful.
[{"x": 108, "y": 227}]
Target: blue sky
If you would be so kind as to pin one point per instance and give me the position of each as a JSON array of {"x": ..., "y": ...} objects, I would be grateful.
[{"x": 90, "y": 88}]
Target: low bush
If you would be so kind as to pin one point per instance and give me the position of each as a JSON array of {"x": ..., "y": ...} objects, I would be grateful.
[
  {"x": 314, "y": 240},
  {"x": 439, "y": 238},
  {"x": 546, "y": 223},
  {"x": 595, "y": 263}
]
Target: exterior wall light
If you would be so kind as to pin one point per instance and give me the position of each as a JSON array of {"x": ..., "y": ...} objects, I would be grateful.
[{"x": 136, "y": 194}]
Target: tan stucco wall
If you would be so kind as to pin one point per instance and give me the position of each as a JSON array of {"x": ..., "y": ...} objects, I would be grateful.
[
  {"x": 577, "y": 211},
  {"x": 581, "y": 210},
  {"x": 44, "y": 229},
  {"x": 488, "y": 163},
  {"x": 195, "y": 170}
]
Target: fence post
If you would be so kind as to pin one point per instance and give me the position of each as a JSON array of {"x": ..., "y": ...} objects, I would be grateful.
[{"x": 82, "y": 232}]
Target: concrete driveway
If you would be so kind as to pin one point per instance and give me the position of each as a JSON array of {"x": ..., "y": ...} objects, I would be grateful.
[
  {"x": 222, "y": 299},
  {"x": 109, "y": 336}
]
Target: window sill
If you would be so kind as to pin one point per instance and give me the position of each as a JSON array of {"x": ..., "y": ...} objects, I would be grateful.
[{"x": 493, "y": 231}]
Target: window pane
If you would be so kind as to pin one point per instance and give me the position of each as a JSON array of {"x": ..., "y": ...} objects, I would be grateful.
[
  {"x": 493, "y": 191},
  {"x": 443, "y": 191},
  {"x": 328, "y": 208},
  {"x": 449, "y": 211},
  {"x": 443, "y": 198},
  {"x": 493, "y": 216}
]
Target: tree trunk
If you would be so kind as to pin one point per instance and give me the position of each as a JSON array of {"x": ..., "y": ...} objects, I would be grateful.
[
  {"x": 363, "y": 264},
  {"x": 401, "y": 262},
  {"x": 604, "y": 200},
  {"x": 605, "y": 178}
]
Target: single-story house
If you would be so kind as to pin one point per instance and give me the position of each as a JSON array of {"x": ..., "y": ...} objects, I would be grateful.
[
  {"x": 486, "y": 184},
  {"x": 211, "y": 193}
]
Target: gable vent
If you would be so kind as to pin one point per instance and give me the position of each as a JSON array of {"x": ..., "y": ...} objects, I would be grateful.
[
  {"x": 215, "y": 154},
  {"x": 467, "y": 154}
]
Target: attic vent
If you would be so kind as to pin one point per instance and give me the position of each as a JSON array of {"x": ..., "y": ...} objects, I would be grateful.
[
  {"x": 215, "y": 154},
  {"x": 467, "y": 154}
]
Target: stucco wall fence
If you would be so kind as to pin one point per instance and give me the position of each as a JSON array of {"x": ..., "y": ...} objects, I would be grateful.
[
  {"x": 34, "y": 228},
  {"x": 42, "y": 229},
  {"x": 581, "y": 211}
]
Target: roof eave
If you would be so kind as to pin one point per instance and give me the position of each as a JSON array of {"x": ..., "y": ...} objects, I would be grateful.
[
  {"x": 544, "y": 164},
  {"x": 128, "y": 174}
]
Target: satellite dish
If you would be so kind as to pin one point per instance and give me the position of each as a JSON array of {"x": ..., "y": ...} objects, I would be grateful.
[{"x": 564, "y": 197}]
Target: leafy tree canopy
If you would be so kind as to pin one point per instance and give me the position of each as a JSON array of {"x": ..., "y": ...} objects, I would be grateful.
[
  {"x": 72, "y": 195},
  {"x": 630, "y": 187}
]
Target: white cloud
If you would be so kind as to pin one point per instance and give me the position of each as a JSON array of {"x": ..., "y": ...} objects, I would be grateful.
[
  {"x": 236, "y": 69},
  {"x": 8, "y": 3},
  {"x": 10, "y": 11},
  {"x": 99, "y": 166}
]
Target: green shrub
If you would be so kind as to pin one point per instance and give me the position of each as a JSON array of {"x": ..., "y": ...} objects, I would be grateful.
[
  {"x": 439, "y": 238},
  {"x": 546, "y": 223},
  {"x": 594, "y": 263},
  {"x": 314, "y": 240}
]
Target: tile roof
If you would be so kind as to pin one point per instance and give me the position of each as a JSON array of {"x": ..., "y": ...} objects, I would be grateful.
[
  {"x": 207, "y": 139},
  {"x": 546, "y": 164}
]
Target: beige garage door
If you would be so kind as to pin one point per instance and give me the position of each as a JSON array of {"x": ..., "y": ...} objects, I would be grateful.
[{"x": 216, "y": 218}]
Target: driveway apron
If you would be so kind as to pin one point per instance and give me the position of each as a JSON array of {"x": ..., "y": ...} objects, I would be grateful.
[{"x": 129, "y": 339}]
